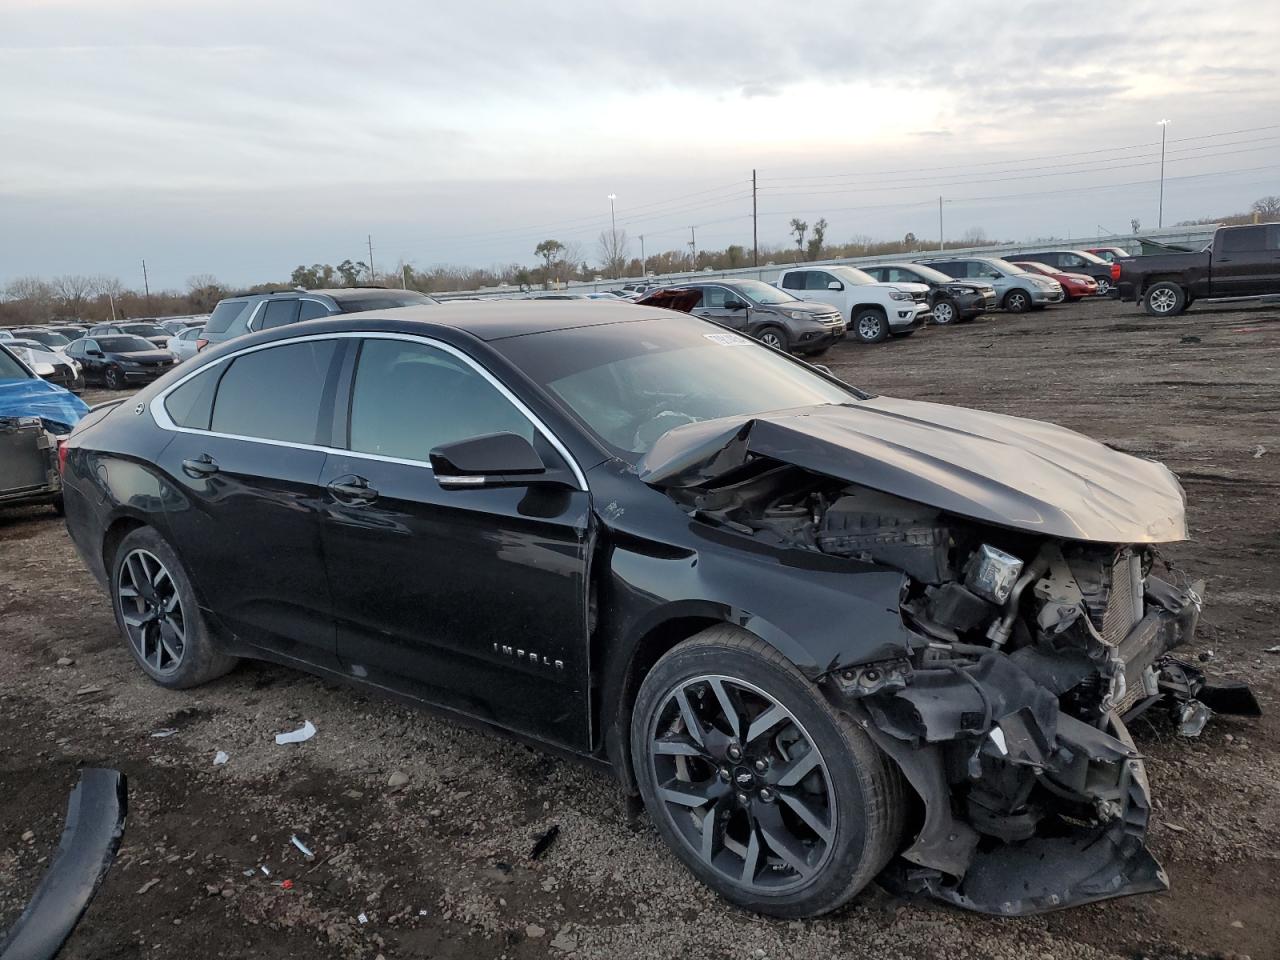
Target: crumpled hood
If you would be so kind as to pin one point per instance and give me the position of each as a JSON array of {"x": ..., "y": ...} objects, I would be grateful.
[{"x": 1003, "y": 470}]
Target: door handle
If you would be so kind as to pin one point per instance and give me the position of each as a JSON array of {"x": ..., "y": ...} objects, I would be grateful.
[
  {"x": 353, "y": 489},
  {"x": 202, "y": 466}
]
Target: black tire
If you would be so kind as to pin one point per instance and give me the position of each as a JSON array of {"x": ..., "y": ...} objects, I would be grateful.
[
  {"x": 1164, "y": 299},
  {"x": 945, "y": 313},
  {"x": 870, "y": 325},
  {"x": 851, "y": 790},
  {"x": 1104, "y": 286},
  {"x": 775, "y": 337},
  {"x": 200, "y": 660},
  {"x": 1017, "y": 300},
  {"x": 113, "y": 378}
]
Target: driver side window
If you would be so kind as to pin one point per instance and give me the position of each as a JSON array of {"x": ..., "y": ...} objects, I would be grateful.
[
  {"x": 714, "y": 298},
  {"x": 409, "y": 398}
]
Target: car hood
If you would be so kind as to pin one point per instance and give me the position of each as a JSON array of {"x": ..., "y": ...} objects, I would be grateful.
[
  {"x": 1078, "y": 277},
  {"x": 142, "y": 356},
  {"x": 905, "y": 286},
  {"x": 797, "y": 306},
  {"x": 1003, "y": 470}
]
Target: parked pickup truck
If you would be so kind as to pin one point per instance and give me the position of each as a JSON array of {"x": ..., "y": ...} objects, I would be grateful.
[{"x": 1241, "y": 262}]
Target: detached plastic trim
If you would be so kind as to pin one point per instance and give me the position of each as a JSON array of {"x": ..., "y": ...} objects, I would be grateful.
[{"x": 96, "y": 813}]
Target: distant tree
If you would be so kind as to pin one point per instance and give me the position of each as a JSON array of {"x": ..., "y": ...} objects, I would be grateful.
[
  {"x": 1135, "y": 224},
  {"x": 549, "y": 251},
  {"x": 973, "y": 237},
  {"x": 350, "y": 272},
  {"x": 613, "y": 251},
  {"x": 910, "y": 242},
  {"x": 799, "y": 228},
  {"x": 734, "y": 255},
  {"x": 73, "y": 290},
  {"x": 1268, "y": 207},
  {"x": 204, "y": 291},
  {"x": 814, "y": 249}
]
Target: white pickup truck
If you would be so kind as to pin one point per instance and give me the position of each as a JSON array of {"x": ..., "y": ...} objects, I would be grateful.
[{"x": 875, "y": 310}]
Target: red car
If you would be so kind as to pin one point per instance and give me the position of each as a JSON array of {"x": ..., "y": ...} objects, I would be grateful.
[
  {"x": 1109, "y": 254},
  {"x": 1074, "y": 285}
]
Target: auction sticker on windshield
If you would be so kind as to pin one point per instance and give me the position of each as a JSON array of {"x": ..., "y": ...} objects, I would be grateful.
[{"x": 727, "y": 339}]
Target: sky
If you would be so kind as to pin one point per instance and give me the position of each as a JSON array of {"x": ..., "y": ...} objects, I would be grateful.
[{"x": 241, "y": 139}]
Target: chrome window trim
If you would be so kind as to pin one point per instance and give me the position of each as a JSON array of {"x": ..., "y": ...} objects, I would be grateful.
[{"x": 165, "y": 422}]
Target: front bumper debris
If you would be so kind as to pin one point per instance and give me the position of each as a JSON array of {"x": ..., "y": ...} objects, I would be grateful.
[{"x": 1028, "y": 808}]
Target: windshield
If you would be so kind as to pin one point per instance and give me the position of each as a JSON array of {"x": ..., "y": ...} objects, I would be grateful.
[
  {"x": 11, "y": 369},
  {"x": 629, "y": 383},
  {"x": 47, "y": 337},
  {"x": 761, "y": 293},
  {"x": 928, "y": 273},
  {"x": 145, "y": 329},
  {"x": 1034, "y": 266},
  {"x": 388, "y": 300},
  {"x": 852, "y": 275},
  {"x": 1089, "y": 257},
  {"x": 123, "y": 344}
]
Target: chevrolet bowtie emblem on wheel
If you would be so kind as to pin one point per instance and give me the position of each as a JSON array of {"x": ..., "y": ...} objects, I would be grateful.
[{"x": 529, "y": 656}]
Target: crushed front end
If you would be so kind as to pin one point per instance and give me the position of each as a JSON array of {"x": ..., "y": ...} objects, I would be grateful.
[{"x": 1007, "y": 713}]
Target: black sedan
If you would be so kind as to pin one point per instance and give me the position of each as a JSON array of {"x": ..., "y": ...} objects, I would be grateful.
[
  {"x": 117, "y": 360},
  {"x": 821, "y": 634},
  {"x": 952, "y": 300}
]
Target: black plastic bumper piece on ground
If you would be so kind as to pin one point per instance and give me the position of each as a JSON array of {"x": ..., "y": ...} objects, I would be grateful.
[{"x": 95, "y": 822}]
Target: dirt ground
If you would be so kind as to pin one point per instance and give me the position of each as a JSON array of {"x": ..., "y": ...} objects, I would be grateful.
[{"x": 440, "y": 867}]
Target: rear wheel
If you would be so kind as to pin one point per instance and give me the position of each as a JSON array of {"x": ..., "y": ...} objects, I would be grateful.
[
  {"x": 870, "y": 325},
  {"x": 157, "y": 613},
  {"x": 1104, "y": 286},
  {"x": 1164, "y": 299},
  {"x": 1017, "y": 300},
  {"x": 768, "y": 795},
  {"x": 774, "y": 337}
]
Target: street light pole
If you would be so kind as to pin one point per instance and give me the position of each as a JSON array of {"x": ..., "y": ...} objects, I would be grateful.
[
  {"x": 942, "y": 243},
  {"x": 1164, "y": 131},
  {"x": 614, "y": 253}
]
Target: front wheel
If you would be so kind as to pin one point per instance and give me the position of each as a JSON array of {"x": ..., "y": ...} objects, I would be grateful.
[
  {"x": 767, "y": 794},
  {"x": 1017, "y": 301},
  {"x": 113, "y": 378},
  {"x": 1164, "y": 299},
  {"x": 944, "y": 313},
  {"x": 870, "y": 325},
  {"x": 774, "y": 337}
]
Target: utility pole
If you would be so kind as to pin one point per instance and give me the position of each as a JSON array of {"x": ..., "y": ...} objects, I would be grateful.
[
  {"x": 145, "y": 285},
  {"x": 693, "y": 242},
  {"x": 942, "y": 243},
  {"x": 755, "y": 223},
  {"x": 1164, "y": 132},
  {"x": 372, "y": 276},
  {"x": 643, "y": 271},
  {"x": 404, "y": 277}
]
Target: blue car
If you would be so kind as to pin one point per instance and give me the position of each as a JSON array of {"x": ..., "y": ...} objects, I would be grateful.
[{"x": 33, "y": 414}]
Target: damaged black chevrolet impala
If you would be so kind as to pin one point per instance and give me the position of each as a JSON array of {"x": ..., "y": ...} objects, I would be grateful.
[{"x": 825, "y": 636}]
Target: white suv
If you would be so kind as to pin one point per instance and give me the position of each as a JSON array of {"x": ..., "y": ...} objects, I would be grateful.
[{"x": 875, "y": 310}]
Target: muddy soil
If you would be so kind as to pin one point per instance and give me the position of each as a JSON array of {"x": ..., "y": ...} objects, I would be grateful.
[{"x": 440, "y": 867}]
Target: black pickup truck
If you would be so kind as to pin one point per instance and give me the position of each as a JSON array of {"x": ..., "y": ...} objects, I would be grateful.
[{"x": 1240, "y": 262}]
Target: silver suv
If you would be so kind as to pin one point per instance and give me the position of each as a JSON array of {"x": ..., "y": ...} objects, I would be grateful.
[
  {"x": 236, "y": 316},
  {"x": 1017, "y": 290}
]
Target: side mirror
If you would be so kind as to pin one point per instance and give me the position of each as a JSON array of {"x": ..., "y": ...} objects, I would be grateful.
[
  {"x": 835, "y": 285},
  {"x": 491, "y": 460},
  {"x": 44, "y": 369},
  {"x": 734, "y": 305},
  {"x": 93, "y": 353}
]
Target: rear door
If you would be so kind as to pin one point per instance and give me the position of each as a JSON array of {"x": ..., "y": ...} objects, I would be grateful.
[
  {"x": 245, "y": 462},
  {"x": 717, "y": 304},
  {"x": 1242, "y": 263},
  {"x": 472, "y": 598}
]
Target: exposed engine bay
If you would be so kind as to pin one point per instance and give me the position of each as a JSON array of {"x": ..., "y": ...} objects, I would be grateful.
[{"x": 1027, "y": 656}]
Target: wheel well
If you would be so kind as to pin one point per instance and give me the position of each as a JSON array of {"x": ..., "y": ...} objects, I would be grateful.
[
  {"x": 859, "y": 307},
  {"x": 118, "y": 530},
  {"x": 647, "y": 652},
  {"x": 1149, "y": 282}
]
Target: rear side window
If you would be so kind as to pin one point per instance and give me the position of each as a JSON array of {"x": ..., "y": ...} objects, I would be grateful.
[
  {"x": 951, "y": 268},
  {"x": 191, "y": 404},
  {"x": 275, "y": 393},
  {"x": 410, "y": 398},
  {"x": 277, "y": 313},
  {"x": 311, "y": 309},
  {"x": 793, "y": 280},
  {"x": 1245, "y": 240},
  {"x": 224, "y": 313}
]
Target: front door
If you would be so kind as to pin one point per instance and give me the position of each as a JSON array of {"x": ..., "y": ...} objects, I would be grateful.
[
  {"x": 723, "y": 305},
  {"x": 1244, "y": 266},
  {"x": 245, "y": 465},
  {"x": 470, "y": 598}
]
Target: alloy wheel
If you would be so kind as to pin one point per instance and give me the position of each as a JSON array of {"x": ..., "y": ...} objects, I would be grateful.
[
  {"x": 869, "y": 327},
  {"x": 1104, "y": 287},
  {"x": 1017, "y": 302},
  {"x": 151, "y": 611},
  {"x": 943, "y": 313},
  {"x": 742, "y": 783},
  {"x": 771, "y": 339},
  {"x": 1163, "y": 301}
]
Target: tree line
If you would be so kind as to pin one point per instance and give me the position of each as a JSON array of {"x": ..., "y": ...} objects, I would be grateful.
[{"x": 101, "y": 297}]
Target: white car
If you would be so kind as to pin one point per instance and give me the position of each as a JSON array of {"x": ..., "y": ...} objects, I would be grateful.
[
  {"x": 875, "y": 310},
  {"x": 183, "y": 345}
]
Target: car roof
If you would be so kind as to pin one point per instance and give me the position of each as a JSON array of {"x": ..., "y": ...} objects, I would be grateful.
[{"x": 487, "y": 319}]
